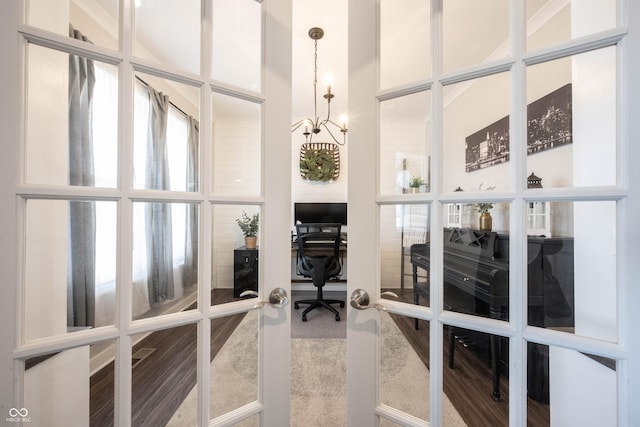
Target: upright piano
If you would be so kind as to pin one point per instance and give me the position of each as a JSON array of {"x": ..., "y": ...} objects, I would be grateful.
[{"x": 476, "y": 281}]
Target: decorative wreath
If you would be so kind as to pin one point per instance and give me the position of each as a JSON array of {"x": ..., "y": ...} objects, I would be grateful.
[{"x": 319, "y": 161}]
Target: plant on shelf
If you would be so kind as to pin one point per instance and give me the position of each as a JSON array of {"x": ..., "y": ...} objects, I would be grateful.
[
  {"x": 249, "y": 226},
  {"x": 415, "y": 182}
]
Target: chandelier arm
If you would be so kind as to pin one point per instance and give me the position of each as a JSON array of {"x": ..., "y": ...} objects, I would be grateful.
[
  {"x": 299, "y": 123},
  {"x": 333, "y": 137}
]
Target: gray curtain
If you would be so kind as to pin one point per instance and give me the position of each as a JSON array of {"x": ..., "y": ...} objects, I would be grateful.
[
  {"x": 158, "y": 214},
  {"x": 190, "y": 271},
  {"x": 82, "y": 214}
]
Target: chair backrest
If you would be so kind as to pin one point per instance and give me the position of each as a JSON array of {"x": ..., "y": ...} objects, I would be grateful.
[{"x": 318, "y": 240}]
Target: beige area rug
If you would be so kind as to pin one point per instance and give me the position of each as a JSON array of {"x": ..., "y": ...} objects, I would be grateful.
[{"x": 318, "y": 379}]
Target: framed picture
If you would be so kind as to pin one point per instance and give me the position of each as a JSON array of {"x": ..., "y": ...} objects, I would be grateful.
[{"x": 548, "y": 126}]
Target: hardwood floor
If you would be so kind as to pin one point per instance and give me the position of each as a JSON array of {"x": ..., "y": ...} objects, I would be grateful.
[
  {"x": 468, "y": 385},
  {"x": 162, "y": 380}
]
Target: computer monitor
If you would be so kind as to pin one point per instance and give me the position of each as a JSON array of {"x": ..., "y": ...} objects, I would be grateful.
[{"x": 320, "y": 212}]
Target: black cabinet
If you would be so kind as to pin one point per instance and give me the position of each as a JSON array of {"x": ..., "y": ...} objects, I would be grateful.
[{"x": 245, "y": 270}]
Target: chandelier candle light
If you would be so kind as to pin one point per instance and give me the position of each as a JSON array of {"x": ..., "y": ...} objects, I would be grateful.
[{"x": 313, "y": 125}]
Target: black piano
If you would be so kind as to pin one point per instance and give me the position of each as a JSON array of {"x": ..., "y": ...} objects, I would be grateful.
[{"x": 476, "y": 281}]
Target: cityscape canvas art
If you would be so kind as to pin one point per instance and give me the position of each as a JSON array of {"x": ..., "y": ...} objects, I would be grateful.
[{"x": 548, "y": 126}]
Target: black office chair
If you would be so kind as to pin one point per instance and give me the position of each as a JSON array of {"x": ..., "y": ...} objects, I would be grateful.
[{"x": 319, "y": 259}]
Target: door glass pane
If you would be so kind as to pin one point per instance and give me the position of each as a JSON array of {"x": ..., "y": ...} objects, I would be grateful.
[
  {"x": 571, "y": 120},
  {"x": 564, "y": 281},
  {"x": 235, "y": 259},
  {"x": 475, "y": 376},
  {"x": 234, "y": 365},
  {"x": 485, "y": 36},
  {"x": 405, "y": 144},
  {"x": 237, "y": 39},
  {"x": 237, "y": 145},
  {"x": 476, "y": 272},
  {"x": 550, "y": 23},
  {"x": 70, "y": 270},
  {"x": 165, "y": 258},
  {"x": 405, "y": 42},
  {"x": 163, "y": 372},
  {"x": 72, "y": 120},
  {"x": 166, "y": 135},
  {"x": 168, "y": 33},
  {"x": 404, "y": 237},
  {"x": 568, "y": 387},
  {"x": 476, "y": 134},
  {"x": 76, "y": 375},
  {"x": 97, "y": 21},
  {"x": 404, "y": 361}
]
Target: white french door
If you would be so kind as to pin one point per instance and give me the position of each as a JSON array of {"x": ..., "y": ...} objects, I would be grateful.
[
  {"x": 451, "y": 92},
  {"x": 219, "y": 69}
]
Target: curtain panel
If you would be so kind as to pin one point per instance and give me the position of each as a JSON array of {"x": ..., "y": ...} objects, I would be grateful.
[{"x": 82, "y": 214}]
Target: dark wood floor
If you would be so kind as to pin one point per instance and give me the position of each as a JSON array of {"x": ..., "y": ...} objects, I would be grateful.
[
  {"x": 468, "y": 385},
  {"x": 163, "y": 379}
]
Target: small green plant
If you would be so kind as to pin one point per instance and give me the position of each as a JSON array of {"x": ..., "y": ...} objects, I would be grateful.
[
  {"x": 416, "y": 181},
  {"x": 249, "y": 224},
  {"x": 484, "y": 207}
]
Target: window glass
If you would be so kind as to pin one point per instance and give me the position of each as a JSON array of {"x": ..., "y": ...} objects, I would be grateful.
[
  {"x": 165, "y": 258},
  {"x": 237, "y": 145},
  {"x": 571, "y": 120},
  {"x": 564, "y": 281},
  {"x": 404, "y": 237},
  {"x": 72, "y": 120},
  {"x": 235, "y": 259},
  {"x": 550, "y": 23},
  {"x": 561, "y": 380},
  {"x": 166, "y": 136},
  {"x": 237, "y": 39},
  {"x": 476, "y": 134},
  {"x": 405, "y": 42},
  {"x": 163, "y": 374},
  {"x": 475, "y": 377},
  {"x": 485, "y": 37},
  {"x": 96, "y": 21},
  {"x": 405, "y": 144},
  {"x": 168, "y": 33},
  {"x": 70, "y": 269},
  {"x": 235, "y": 363},
  {"x": 53, "y": 380}
]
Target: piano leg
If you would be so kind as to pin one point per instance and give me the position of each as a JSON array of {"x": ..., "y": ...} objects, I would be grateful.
[{"x": 495, "y": 365}]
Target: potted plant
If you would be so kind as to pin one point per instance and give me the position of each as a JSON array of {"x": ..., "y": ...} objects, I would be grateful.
[
  {"x": 415, "y": 182},
  {"x": 249, "y": 226},
  {"x": 486, "y": 222}
]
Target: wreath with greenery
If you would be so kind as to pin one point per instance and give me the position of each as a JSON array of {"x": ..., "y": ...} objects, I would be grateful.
[{"x": 317, "y": 165}]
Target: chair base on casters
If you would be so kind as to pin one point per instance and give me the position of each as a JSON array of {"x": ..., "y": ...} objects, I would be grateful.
[{"x": 319, "y": 302}]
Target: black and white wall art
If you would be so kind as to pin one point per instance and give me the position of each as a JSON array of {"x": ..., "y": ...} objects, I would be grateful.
[{"x": 548, "y": 126}]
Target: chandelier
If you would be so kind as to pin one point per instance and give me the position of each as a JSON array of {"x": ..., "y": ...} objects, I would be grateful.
[{"x": 313, "y": 126}]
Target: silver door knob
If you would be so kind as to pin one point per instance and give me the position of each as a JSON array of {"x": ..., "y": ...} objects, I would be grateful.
[
  {"x": 277, "y": 298},
  {"x": 360, "y": 300}
]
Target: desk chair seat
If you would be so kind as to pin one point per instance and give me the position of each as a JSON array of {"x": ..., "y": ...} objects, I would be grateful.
[{"x": 319, "y": 259}]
